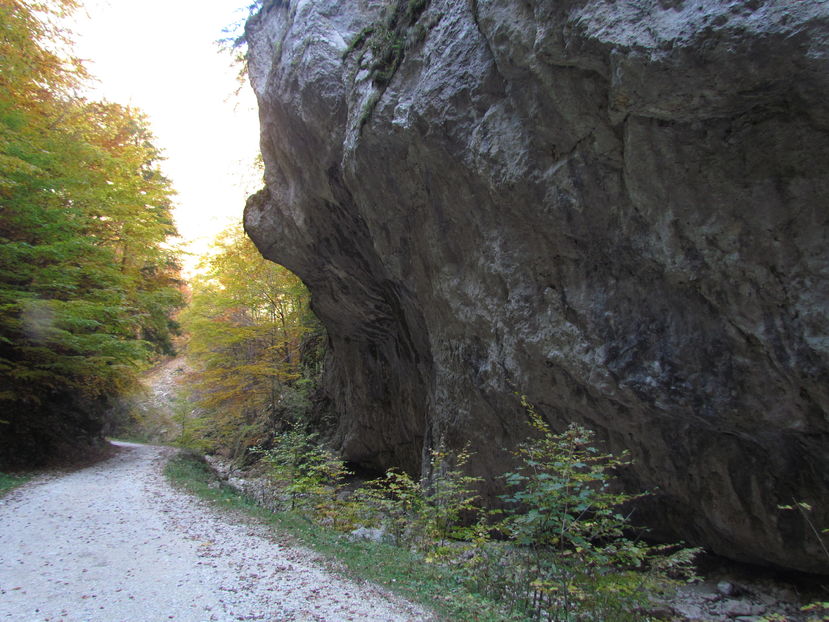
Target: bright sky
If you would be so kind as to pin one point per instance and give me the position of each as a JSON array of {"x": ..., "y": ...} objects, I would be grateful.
[{"x": 160, "y": 56}]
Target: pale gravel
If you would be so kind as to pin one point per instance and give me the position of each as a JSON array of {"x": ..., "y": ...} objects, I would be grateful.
[{"x": 115, "y": 542}]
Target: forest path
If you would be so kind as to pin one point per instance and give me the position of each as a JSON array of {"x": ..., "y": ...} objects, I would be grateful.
[{"x": 115, "y": 542}]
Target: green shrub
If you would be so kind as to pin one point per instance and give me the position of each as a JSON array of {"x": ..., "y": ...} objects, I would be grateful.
[
  {"x": 310, "y": 474},
  {"x": 450, "y": 498},
  {"x": 392, "y": 503},
  {"x": 428, "y": 514},
  {"x": 816, "y": 611},
  {"x": 569, "y": 555}
]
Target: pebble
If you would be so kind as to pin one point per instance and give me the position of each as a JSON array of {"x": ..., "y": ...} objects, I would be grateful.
[{"x": 737, "y": 608}]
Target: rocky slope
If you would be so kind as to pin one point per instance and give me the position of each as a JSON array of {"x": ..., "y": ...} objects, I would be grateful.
[{"x": 617, "y": 209}]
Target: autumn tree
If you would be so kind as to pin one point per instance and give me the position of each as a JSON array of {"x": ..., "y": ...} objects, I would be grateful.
[
  {"x": 246, "y": 322},
  {"x": 87, "y": 280}
]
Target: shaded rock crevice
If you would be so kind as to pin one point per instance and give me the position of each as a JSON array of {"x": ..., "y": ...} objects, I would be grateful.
[{"x": 618, "y": 210}]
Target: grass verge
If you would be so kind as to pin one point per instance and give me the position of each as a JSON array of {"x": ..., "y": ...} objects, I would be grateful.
[
  {"x": 9, "y": 482},
  {"x": 397, "y": 569}
]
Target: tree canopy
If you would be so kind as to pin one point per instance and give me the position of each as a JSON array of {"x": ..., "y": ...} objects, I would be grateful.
[
  {"x": 88, "y": 281},
  {"x": 246, "y": 322}
]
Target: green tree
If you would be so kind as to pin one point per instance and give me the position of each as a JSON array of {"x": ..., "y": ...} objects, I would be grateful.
[{"x": 87, "y": 282}]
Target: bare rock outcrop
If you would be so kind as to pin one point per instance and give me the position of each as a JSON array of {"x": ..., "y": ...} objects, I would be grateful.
[{"x": 617, "y": 209}]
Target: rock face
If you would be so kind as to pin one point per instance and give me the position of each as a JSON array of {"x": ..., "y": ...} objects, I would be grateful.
[{"x": 618, "y": 209}]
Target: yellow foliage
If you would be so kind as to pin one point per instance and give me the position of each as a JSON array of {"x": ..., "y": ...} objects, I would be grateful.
[{"x": 245, "y": 323}]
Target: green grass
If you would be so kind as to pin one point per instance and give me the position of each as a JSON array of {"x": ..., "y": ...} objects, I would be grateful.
[
  {"x": 397, "y": 569},
  {"x": 8, "y": 482}
]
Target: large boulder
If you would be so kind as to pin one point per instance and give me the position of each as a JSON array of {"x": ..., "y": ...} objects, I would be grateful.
[{"x": 617, "y": 209}]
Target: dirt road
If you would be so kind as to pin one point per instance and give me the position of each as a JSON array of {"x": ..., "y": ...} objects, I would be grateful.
[{"x": 114, "y": 542}]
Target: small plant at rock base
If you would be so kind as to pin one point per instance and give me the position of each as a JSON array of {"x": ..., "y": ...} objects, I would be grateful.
[
  {"x": 450, "y": 498},
  {"x": 817, "y": 611},
  {"x": 805, "y": 510},
  {"x": 392, "y": 502},
  {"x": 814, "y": 612},
  {"x": 572, "y": 555},
  {"x": 426, "y": 514},
  {"x": 309, "y": 473}
]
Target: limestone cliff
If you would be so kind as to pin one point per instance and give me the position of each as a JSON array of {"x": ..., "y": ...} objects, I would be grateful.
[{"x": 619, "y": 209}]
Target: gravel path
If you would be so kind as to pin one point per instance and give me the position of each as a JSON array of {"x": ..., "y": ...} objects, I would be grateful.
[{"x": 114, "y": 542}]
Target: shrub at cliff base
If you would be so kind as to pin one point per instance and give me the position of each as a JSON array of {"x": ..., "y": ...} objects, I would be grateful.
[{"x": 560, "y": 551}]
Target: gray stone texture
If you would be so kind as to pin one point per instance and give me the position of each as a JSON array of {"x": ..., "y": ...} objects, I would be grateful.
[{"x": 618, "y": 209}]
